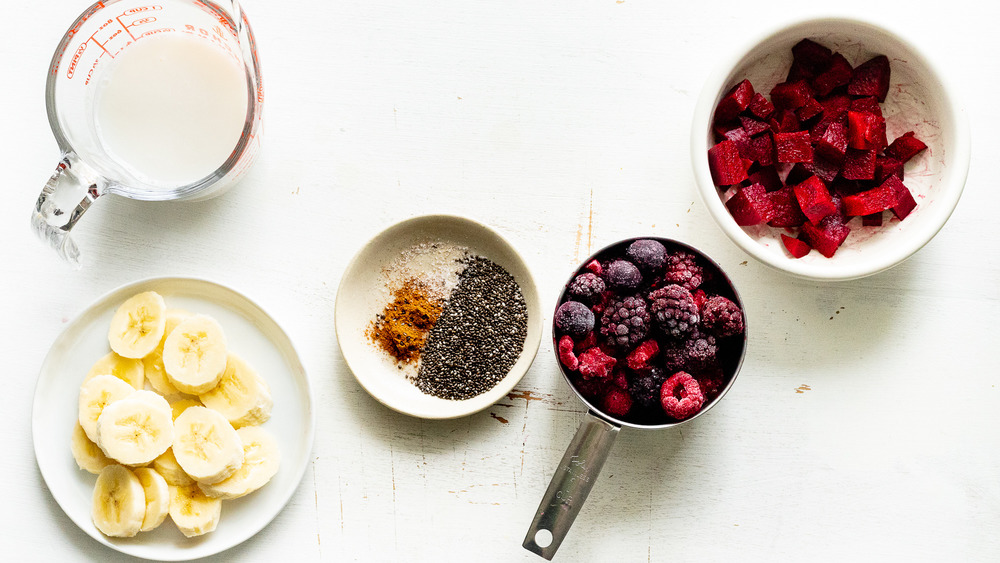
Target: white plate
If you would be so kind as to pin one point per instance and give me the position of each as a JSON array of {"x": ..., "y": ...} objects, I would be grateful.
[
  {"x": 252, "y": 334},
  {"x": 358, "y": 302}
]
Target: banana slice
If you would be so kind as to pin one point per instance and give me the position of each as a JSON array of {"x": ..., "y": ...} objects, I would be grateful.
[
  {"x": 137, "y": 326},
  {"x": 119, "y": 502},
  {"x": 95, "y": 394},
  {"x": 136, "y": 429},
  {"x": 168, "y": 468},
  {"x": 194, "y": 355},
  {"x": 193, "y": 512},
  {"x": 87, "y": 454},
  {"x": 241, "y": 396},
  {"x": 206, "y": 446},
  {"x": 260, "y": 462},
  {"x": 180, "y": 403},
  {"x": 157, "y": 496},
  {"x": 129, "y": 370},
  {"x": 153, "y": 362}
]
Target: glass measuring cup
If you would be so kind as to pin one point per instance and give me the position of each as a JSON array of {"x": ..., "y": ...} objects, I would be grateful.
[{"x": 78, "y": 96}]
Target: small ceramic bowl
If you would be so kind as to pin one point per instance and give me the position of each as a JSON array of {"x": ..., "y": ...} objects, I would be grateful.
[
  {"x": 919, "y": 100},
  {"x": 362, "y": 295}
]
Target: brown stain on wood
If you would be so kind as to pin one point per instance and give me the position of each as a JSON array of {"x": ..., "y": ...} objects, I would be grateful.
[
  {"x": 803, "y": 388},
  {"x": 590, "y": 230},
  {"x": 500, "y": 418}
]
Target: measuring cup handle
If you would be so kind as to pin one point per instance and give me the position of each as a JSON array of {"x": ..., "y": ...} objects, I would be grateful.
[
  {"x": 571, "y": 483},
  {"x": 68, "y": 193}
]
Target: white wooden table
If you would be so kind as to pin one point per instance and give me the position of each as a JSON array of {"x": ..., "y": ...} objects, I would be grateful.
[{"x": 865, "y": 423}]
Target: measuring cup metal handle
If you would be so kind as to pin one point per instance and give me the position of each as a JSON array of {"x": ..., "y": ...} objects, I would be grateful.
[
  {"x": 64, "y": 199},
  {"x": 571, "y": 483}
]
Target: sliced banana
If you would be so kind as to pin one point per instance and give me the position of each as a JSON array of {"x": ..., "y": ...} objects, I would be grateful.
[
  {"x": 193, "y": 512},
  {"x": 136, "y": 429},
  {"x": 119, "y": 503},
  {"x": 129, "y": 370},
  {"x": 180, "y": 403},
  {"x": 194, "y": 354},
  {"x": 206, "y": 446},
  {"x": 260, "y": 462},
  {"x": 153, "y": 362},
  {"x": 168, "y": 468},
  {"x": 87, "y": 454},
  {"x": 137, "y": 326},
  {"x": 157, "y": 496},
  {"x": 242, "y": 396},
  {"x": 95, "y": 394}
]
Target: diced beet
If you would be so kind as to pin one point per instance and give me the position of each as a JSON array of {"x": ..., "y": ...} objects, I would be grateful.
[
  {"x": 798, "y": 71},
  {"x": 750, "y": 205},
  {"x": 838, "y": 73},
  {"x": 828, "y": 236},
  {"x": 904, "y": 199},
  {"x": 760, "y": 107},
  {"x": 753, "y": 126},
  {"x": 874, "y": 200},
  {"x": 798, "y": 173},
  {"x": 788, "y": 122},
  {"x": 834, "y": 111},
  {"x": 762, "y": 150},
  {"x": 905, "y": 147},
  {"x": 725, "y": 164},
  {"x": 809, "y": 110},
  {"x": 811, "y": 55},
  {"x": 786, "y": 209},
  {"x": 859, "y": 165},
  {"x": 742, "y": 140},
  {"x": 871, "y": 79},
  {"x": 843, "y": 187},
  {"x": 791, "y": 95},
  {"x": 873, "y": 220},
  {"x": 887, "y": 166},
  {"x": 865, "y": 130},
  {"x": 867, "y": 104},
  {"x": 794, "y": 147},
  {"x": 814, "y": 199},
  {"x": 719, "y": 129},
  {"x": 735, "y": 101},
  {"x": 766, "y": 176},
  {"x": 833, "y": 144},
  {"x": 797, "y": 248},
  {"x": 824, "y": 168}
]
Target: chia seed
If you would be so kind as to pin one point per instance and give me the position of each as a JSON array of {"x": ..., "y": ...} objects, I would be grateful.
[{"x": 479, "y": 335}]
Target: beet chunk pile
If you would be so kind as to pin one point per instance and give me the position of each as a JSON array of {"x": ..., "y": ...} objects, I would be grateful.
[
  {"x": 816, "y": 154},
  {"x": 658, "y": 341}
]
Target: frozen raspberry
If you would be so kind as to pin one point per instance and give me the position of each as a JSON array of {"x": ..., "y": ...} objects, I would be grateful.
[
  {"x": 594, "y": 363},
  {"x": 623, "y": 275},
  {"x": 683, "y": 269},
  {"x": 586, "y": 343},
  {"x": 617, "y": 403},
  {"x": 711, "y": 383},
  {"x": 648, "y": 255},
  {"x": 674, "y": 310},
  {"x": 638, "y": 359},
  {"x": 699, "y": 298},
  {"x": 721, "y": 317},
  {"x": 681, "y": 396},
  {"x": 566, "y": 355},
  {"x": 594, "y": 266},
  {"x": 619, "y": 379},
  {"x": 575, "y": 318},
  {"x": 587, "y": 288},
  {"x": 700, "y": 352},
  {"x": 646, "y": 387},
  {"x": 625, "y": 321}
]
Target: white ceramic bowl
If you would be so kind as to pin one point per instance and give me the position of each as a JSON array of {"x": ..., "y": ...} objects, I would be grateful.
[
  {"x": 919, "y": 100},
  {"x": 359, "y": 299}
]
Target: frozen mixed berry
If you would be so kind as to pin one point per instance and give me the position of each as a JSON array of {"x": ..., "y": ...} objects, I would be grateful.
[
  {"x": 566, "y": 355},
  {"x": 617, "y": 403},
  {"x": 700, "y": 352},
  {"x": 574, "y": 318},
  {"x": 683, "y": 270},
  {"x": 586, "y": 343},
  {"x": 674, "y": 358},
  {"x": 587, "y": 288},
  {"x": 622, "y": 275},
  {"x": 711, "y": 383},
  {"x": 645, "y": 388},
  {"x": 638, "y": 359},
  {"x": 595, "y": 364},
  {"x": 674, "y": 310},
  {"x": 625, "y": 322},
  {"x": 594, "y": 266},
  {"x": 681, "y": 396},
  {"x": 648, "y": 255},
  {"x": 619, "y": 379},
  {"x": 591, "y": 388},
  {"x": 721, "y": 317}
]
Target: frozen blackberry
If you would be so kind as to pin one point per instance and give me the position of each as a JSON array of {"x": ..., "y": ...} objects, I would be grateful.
[
  {"x": 622, "y": 275},
  {"x": 683, "y": 270},
  {"x": 574, "y": 318},
  {"x": 674, "y": 358},
  {"x": 587, "y": 288},
  {"x": 645, "y": 388},
  {"x": 721, "y": 317},
  {"x": 700, "y": 352},
  {"x": 648, "y": 255},
  {"x": 674, "y": 310},
  {"x": 625, "y": 321}
]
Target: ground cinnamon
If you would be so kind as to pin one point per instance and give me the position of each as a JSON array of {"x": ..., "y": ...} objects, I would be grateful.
[{"x": 401, "y": 329}]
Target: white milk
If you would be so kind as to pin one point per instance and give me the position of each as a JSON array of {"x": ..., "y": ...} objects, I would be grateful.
[{"x": 172, "y": 108}]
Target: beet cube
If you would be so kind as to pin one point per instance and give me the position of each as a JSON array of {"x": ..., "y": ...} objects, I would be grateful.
[
  {"x": 811, "y": 55},
  {"x": 762, "y": 150},
  {"x": 814, "y": 199},
  {"x": 823, "y": 168},
  {"x": 786, "y": 209},
  {"x": 833, "y": 144},
  {"x": 798, "y": 173},
  {"x": 843, "y": 187},
  {"x": 871, "y": 79},
  {"x": 725, "y": 164},
  {"x": 904, "y": 199},
  {"x": 750, "y": 205},
  {"x": 797, "y": 248},
  {"x": 873, "y": 220},
  {"x": 867, "y": 104},
  {"x": 874, "y": 200},
  {"x": 794, "y": 147},
  {"x": 859, "y": 165},
  {"x": 837, "y": 74},
  {"x": 834, "y": 111},
  {"x": 791, "y": 95},
  {"x": 735, "y": 101},
  {"x": 828, "y": 236},
  {"x": 905, "y": 147},
  {"x": 742, "y": 140},
  {"x": 788, "y": 122},
  {"x": 809, "y": 110},
  {"x": 753, "y": 126},
  {"x": 886, "y": 166},
  {"x": 760, "y": 107},
  {"x": 766, "y": 176},
  {"x": 865, "y": 130}
]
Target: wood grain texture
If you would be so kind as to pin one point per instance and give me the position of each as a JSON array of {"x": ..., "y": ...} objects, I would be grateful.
[{"x": 864, "y": 424}]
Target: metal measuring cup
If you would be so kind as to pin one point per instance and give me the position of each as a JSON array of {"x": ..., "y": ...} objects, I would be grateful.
[{"x": 580, "y": 466}]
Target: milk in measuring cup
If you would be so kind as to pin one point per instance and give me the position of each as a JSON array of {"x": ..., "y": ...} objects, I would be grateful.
[{"x": 172, "y": 108}]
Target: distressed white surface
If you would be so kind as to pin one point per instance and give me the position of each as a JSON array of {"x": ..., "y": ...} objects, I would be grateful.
[{"x": 865, "y": 423}]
